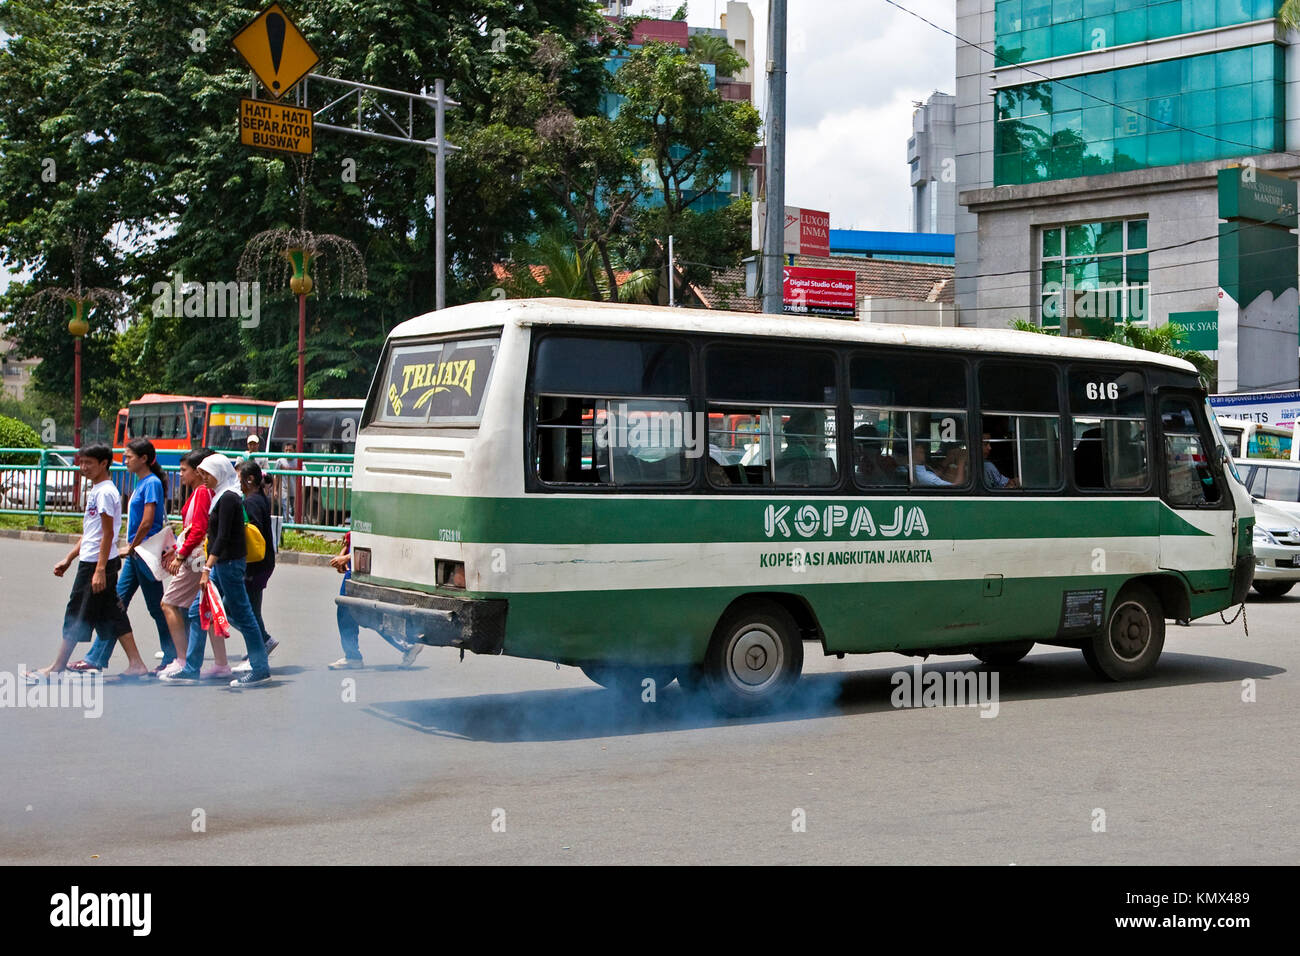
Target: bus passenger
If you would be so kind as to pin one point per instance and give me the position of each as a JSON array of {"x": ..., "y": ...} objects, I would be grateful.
[
  {"x": 922, "y": 475},
  {"x": 993, "y": 478}
]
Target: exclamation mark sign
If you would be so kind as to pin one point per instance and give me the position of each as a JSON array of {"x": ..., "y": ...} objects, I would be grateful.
[{"x": 275, "y": 36}]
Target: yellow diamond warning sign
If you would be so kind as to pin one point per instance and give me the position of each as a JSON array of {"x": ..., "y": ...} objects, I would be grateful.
[
  {"x": 275, "y": 126},
  {"x": 277, "y": 52}
]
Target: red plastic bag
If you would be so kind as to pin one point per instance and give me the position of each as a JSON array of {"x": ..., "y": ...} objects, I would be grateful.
[{"x": 212, "y": 613}]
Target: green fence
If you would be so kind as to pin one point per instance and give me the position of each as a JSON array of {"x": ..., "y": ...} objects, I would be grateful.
[{"x": 43, "y": 483}]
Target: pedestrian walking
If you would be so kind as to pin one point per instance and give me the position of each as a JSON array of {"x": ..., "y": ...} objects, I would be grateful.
[
  {"x": 350, "y": 630},
  {"x": 146, "y": 514},
  {"x": 257, "y": 507},
  {"x": 181, "y": 595},
  {"x": 226, "y": 563},
  {"x": 94, "y": 605}
]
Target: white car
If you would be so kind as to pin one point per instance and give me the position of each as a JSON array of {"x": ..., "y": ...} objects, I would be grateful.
[
  {"x": 1276, "y": 482},
  {"x": 20, "y": 488},
  {"x": 1277, "y": 550}
]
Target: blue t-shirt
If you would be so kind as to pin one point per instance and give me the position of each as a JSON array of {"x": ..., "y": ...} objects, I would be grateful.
[{"x": 150, "y": 489}]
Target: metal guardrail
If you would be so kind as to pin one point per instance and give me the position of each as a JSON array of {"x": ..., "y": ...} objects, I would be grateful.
[{"x": 315, "y": 497}]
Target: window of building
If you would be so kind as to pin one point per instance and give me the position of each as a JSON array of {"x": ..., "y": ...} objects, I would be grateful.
[
  {"x": 1094, "y": 272},
  {"x": 909, "y": 422},
  {"x": 1019, "y": 427},
  {"x": 1211, "y": 106},
  {"x": 1036, "y": 29},
  {"x": 1108, "y": 421},
  {"x": 772, "y": 417}
]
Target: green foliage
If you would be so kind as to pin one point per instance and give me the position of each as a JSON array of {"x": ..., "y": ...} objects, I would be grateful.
[
  {"x": 681, "y": 12},
  {"x": 1289, "y": 14},
  {"x": 708, "y": 48},
  {"x": 139, "y": 121},
  {"x": 14, "y": 434}
]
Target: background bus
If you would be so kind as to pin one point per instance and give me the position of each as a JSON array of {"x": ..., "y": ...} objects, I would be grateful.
[
  {"x": 178, "y": 423},
  {"x": 329, "y": 428},
  {"x": 1254, "y": 440}
]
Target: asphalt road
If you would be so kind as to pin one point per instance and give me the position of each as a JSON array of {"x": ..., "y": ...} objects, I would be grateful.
[{"x": 419, "y": 767}]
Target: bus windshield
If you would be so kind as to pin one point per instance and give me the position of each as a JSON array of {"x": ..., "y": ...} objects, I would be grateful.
[
  {"x": 229, "y": 424},
  {"x": 325, "y": 430}
]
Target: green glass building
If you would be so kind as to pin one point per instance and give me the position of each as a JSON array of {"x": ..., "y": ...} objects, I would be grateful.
[{"x": 1089, "y": 135}]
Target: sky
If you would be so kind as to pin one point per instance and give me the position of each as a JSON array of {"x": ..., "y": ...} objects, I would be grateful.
[{"x": 855, "y": 67}]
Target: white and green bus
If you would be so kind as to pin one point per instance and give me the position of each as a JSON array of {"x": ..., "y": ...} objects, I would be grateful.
[{"x": 531, "y": 479}]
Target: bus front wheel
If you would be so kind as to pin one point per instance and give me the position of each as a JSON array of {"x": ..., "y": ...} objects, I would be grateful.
[
  {"x": 1130, "y": 644},
  {"x": 1003, "y": 654},
  {"x": 754, "y": 659}
]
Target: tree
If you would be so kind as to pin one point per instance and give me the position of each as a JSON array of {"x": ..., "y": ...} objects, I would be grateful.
[
  {"x": 1288, "y": 15},
  {"x": 690, "y": 140},
  {"x": 553, "y": 266},
  {"x": 133, "y": 103}
]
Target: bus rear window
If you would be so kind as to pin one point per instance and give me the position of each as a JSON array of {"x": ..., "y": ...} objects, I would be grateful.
[{"x": 442, "y": 382}]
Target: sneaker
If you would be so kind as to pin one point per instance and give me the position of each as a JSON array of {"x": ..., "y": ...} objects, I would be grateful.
[
  {"x": 182, "y": 676},
  {"x": 250, "y": 679},
  {"x": 172, "y": 669},
  {"x": 157, "y": 671},
  {"x": 271, "y": 645},
  {"x": 243, "y": 667},
  {"x": 346, "y": 664},
  {"x": 411, "y": 653},
  {"x": 215, "y": 672}
]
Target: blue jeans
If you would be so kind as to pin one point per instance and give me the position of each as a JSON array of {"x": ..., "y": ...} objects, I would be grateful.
[
  {"x": 136, "y": 576},
  {"x": 350, "y": 630},
  {"x": 198, "y": 639},
  {"x": 228, "y": 576}
]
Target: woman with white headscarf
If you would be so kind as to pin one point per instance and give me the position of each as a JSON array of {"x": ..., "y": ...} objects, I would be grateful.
[{"x": 226, "y": 562}]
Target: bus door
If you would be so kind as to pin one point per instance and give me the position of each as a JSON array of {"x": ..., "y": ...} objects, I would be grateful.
[{"x": 1196, "y": 493}]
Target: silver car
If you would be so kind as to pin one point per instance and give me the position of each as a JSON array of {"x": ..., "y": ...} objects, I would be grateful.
[
  {"x": 20, "y": 488},
  {"x": 1277, "y": 550}
]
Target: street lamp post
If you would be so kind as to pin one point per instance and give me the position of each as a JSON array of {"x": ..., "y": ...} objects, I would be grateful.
[
  {"x": 78, "y": 327},
  {"x": 301, "y": 285}
]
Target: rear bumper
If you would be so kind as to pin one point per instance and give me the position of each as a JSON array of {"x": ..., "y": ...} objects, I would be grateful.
[{"x": 469, "y": 623}]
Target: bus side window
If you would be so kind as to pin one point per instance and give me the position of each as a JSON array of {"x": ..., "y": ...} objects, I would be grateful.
[
  {"x": 771, "y": 416},
  {"x": 1020, "y": 412},
  {"x": 1189, "y": 474},
  {"x": 909, "y": 421},
  {"x": 1108, "y": 421}
]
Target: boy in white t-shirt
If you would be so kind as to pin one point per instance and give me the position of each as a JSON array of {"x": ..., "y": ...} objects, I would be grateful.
[{"x": 94, "y": 604}]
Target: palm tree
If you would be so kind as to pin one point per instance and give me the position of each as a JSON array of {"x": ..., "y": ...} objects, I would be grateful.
[
  {"x": 709, "y": 48},
  {"x": 1163, "y": 340},
  {"x": 552, "y": 266},
  {"x": 1289, "y": 14}
]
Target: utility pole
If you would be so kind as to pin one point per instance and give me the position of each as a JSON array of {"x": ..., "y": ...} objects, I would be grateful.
[{"x": 774, "y": 227}]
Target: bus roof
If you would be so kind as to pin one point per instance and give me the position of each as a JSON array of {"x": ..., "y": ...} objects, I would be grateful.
[
  {"x": 571, "y": 312},
  {"x": 154, "y": 397},
  {"x": 323, "y": 403}
]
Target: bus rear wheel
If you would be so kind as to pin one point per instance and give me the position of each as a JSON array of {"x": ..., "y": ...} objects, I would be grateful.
[
  {"x": 627, "y": 679},
  {"x": 1003, "y": 654},
  {"x": 1130, "y": 644},
  {"x": 754, "y": 659}
]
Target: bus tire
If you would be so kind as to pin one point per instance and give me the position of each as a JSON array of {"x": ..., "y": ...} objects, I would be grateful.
[
  {"x": 628, "y": 679},
  {"x": 754, "y": 658},
  {"x": 1130, "y": 644},
  {"x": 1000, "y": 655},
  {"x": 1273, "y": 589}
]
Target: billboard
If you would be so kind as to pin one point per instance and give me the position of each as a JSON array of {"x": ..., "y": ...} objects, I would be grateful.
[{"x": 830, "y": 292}]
